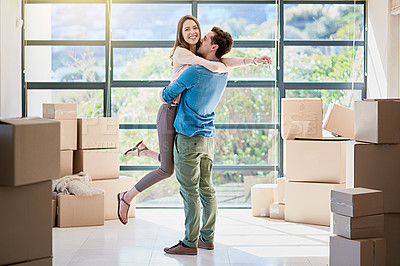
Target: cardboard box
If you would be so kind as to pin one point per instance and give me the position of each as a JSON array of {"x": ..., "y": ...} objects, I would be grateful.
[
  {"x": 252, "y": 180},
  {"x": 321, "y": 160},
  {"x": 98, "y": 133},
  {"x": 392, "y": 237},
  {"x": 111, "y": 188},
  {"x": 277, "y": 210},
  {"x": 280, "y": 190},
  {"x": 355, "y": 202},
  {"x": 377, "y": 121},
  {"x": 68, "y": 133},
  {"x": 340, "y": 121},
  {"x": 30, "y": 151},
  {"x": 376, "y": 167},
  {"x": 309, "y": 202},
  {"x": 99, "y": 164},
  {"x": 301, "y": 118},
  {"x": 53, "y": 212},
  {"x": 363, "y": 252},
  {"x": 262, "y": 195},
  {"x": 25, "y": 224},
  {"x": 358, "y": 227},
  {"x": 39, "y": 262},
  {"x": 66, "y": 163},
  {"x": 80, "y": 210},
  {"x": 59, "y": 110}
]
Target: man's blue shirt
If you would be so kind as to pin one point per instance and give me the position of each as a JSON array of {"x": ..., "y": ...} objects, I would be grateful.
[{"x": 201, "y": 91}]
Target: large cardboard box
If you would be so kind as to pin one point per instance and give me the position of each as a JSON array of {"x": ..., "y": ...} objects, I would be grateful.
[
  {"x": 377, "y": 167},
  {"x": 262, "y": 195},
  {"x": 80, "y": 210},
  {"x": 321, "y": 160},
  {"x": 355, "y": 202},
  {"x": 392, "y": 237},
  {"x": 59, "y": 110},
  {"x": 377, "y": 121},
  {"x": 358, "y": 227},
  {"x": 280, "y": 190},
  {"x": 25, "y": 224},
  {"x": 277, "y": 210},
  {"x": 340, "y": 121},
  {"x": 99, "y": 164},
  {"x": 363, "y": 252},
  {"x": 308, "y": 202},
  {"x": 39, "y": 262},
  {"x": 68, "y": 133},
  {"x": 301, "y": 118},
  {"x": 30, "y": 151},
  {"x": 98, "y": 133},
  {"x": 66, "y": 163},
  {"x": 111, "y": 188}
]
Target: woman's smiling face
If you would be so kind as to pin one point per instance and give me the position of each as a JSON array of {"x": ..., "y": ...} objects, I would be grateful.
[{"x": 190, "y": 32}]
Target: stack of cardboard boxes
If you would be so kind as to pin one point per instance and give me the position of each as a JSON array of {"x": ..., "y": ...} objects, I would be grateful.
[
  {"x": 375, "y": 162},
  {"x": 98, "y": 155},
  {"x": 358, "y": 223},
  {"x": 314, "y": 165},
  {"x": 29, "y": 160},
  {"x": 88, "y": 145}
]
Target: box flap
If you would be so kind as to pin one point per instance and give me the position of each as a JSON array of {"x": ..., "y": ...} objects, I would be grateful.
[
  {"x": 26, "y": 121},
  {"x": 324, "y": 138}
]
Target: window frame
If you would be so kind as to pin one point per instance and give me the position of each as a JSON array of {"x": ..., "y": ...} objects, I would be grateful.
[{"x": 279, "y": 83}]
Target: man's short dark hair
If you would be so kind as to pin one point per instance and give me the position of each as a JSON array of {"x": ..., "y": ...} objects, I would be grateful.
[{"x": 223, "y": 40}]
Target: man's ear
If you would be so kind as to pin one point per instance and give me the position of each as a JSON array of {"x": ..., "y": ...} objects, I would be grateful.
[{"x": 214, "y": 47}]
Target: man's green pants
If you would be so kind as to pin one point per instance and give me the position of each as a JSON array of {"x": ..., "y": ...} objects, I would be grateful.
[{"x": 193, "y": 157}]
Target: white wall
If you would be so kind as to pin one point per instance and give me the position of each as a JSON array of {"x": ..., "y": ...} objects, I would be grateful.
[
  {"x": 10, "y": 59},
  {"x": 383, "y": 51}
]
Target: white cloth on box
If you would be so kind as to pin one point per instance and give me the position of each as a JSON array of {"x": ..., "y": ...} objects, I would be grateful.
[{"x": 77, "y": 184}]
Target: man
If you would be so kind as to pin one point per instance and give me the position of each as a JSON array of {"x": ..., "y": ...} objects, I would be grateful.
[{"x": 201, "y": 91}]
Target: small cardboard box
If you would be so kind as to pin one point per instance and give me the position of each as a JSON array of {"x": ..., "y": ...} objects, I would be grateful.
[
  {"x": 358, "y": 227},
  {"x": 376, "y": 167},
  {"x": 80, "y": 210},
  {"x": 377, "y": 121},
  {"x": 59, "y": 110},
  {"x": 99, "y": 164},
  {"x": 252, "y": 180},
  {"x": 25, "y": 224},
  {"x": 355, "y": 202},
  {"x": 301, "y": 118},
  {"x": 66, "y": 163},
  {"x": 68, "y": 133},
  {"x": 392, "y": 237},
  {"x": 30, "y": 151},
  {"x": 39, "y": 262},
  {"x": 319, "y": 160},
  {"x": 54, "y": 211},
  {"x": 340, "y": 121},
  {"x": 309, "y": 202},
  {"x": 277, "y": 210},
  {"x": 262, "y": 195},
  {"x": 98, "y": 133},
  {"x": 280, "y": 190},
  {"x": 111, "y": 188},
  {"x": 363, "y": 252}
]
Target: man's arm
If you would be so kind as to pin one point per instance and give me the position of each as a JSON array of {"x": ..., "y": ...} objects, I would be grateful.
[{"x": 186, "y": 80}]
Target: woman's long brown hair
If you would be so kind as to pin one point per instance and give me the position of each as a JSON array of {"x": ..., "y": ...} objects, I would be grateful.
[{"x": 180, "y": 41}]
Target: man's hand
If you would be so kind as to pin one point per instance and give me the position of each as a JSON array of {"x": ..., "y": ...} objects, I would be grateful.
[{"x": 262, "y": 60}]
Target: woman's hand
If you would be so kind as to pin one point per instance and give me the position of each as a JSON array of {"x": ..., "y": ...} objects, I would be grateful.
[
  {"x": 262, "y": 60},
  {"x": 160, "y": 94}
]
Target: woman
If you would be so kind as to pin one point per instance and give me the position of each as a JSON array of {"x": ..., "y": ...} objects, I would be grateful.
[{"x": 183, "y": 55}]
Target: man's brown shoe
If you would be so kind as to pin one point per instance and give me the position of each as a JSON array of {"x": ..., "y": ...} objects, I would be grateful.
[
  {"x": 204, "y": 245},
  {"x": 179, "y": 249}
]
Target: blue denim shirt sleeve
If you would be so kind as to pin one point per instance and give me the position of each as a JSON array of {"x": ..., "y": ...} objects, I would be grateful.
[{"x": 186, "y": 80}]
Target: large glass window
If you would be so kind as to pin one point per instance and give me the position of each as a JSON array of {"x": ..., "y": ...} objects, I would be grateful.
[{"x": 113, "y": 57}]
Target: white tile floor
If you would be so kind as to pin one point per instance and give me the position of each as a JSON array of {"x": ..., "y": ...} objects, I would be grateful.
[{"x": 240, "y": 240}]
